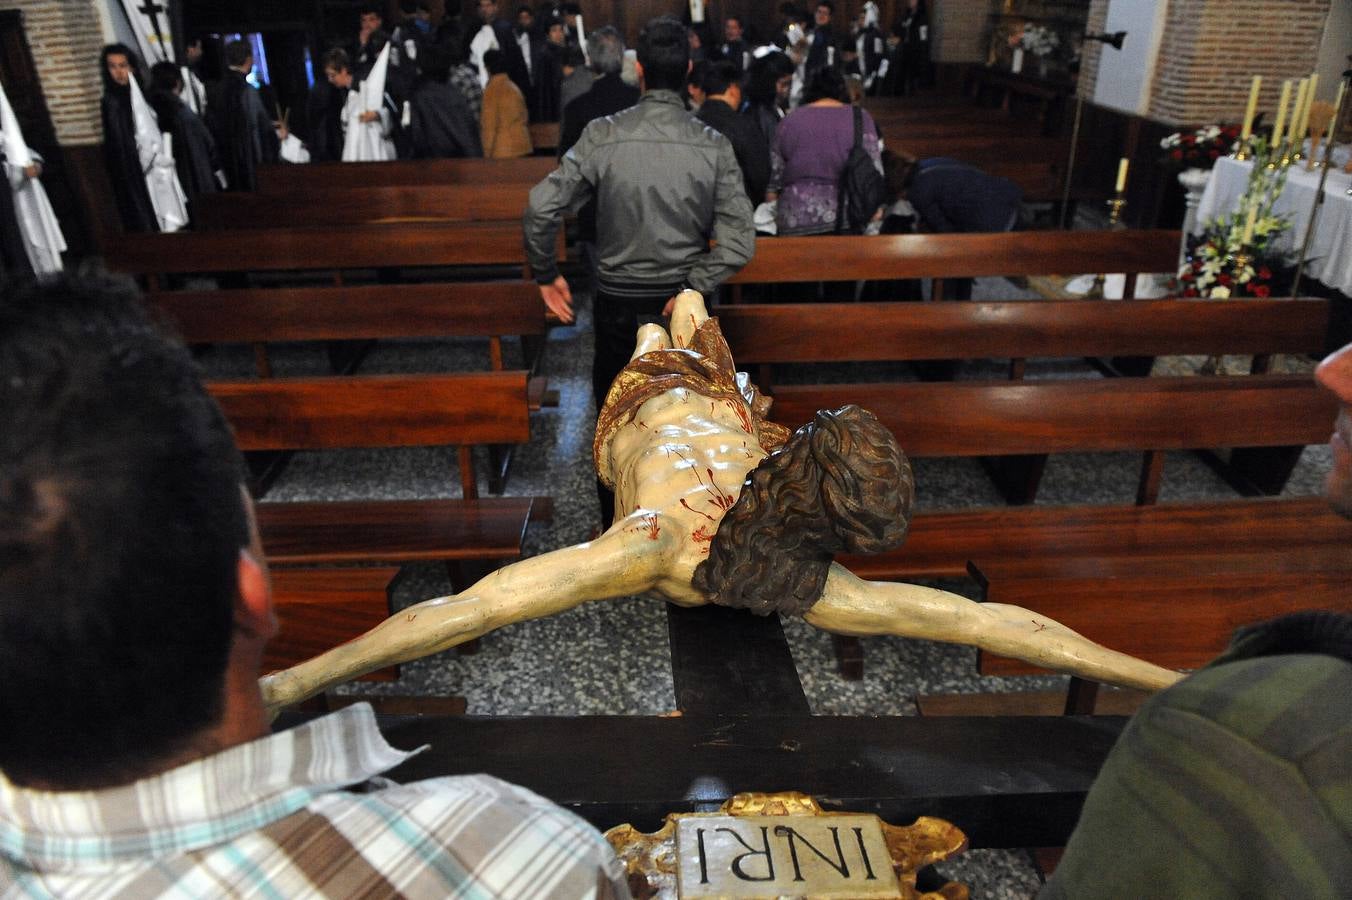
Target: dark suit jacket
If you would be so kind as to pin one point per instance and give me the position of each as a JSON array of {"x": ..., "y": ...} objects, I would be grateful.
[
  {"x": 609, "y": 94},
  {"x": 951, "y": 196},
  {"x": 748, "y": 142}
]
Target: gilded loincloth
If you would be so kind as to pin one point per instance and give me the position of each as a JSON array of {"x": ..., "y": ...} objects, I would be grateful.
[{"x": 705, "y": 367}]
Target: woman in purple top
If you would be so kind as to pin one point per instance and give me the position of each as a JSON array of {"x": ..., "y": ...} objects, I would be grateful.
[{"x": 809, "y": 152}]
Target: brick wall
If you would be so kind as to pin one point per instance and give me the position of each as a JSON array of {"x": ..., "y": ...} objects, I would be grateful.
[
  {"x": 65, "y": 37},
  {"x": 960, "y": 28},
  {"x": 1093, "y": 50},
  {"x": 1211, "y": 49}
]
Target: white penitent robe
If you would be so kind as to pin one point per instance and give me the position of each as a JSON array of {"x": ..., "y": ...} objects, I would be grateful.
[
  {"x": 369, "y": 141},
  {"x": 42, "y": 236},
  {"x": 157, "y": 161},
  {"x": 486, "y": 39}
]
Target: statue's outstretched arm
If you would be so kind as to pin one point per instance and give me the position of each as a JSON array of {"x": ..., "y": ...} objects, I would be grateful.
[
  {"x": 850, "y": 605},
  {"x": 621, "y": 562}
]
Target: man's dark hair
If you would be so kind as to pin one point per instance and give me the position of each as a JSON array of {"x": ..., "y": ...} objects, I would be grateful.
[
  {"x": 166, "y": 77},
  {"x": 495, "y": 61},
  {"x": 571, "y": 9},
  {"x": 826, "y": 84},
  {"x": 719, "y": 76},
  {"x": 121, "y": 523},
  {"x": 237, "y": 53},
  {"x": 434, "y": 63},
  {"x": 335, "y": 58},
  {"x": 664, "y": 54},
  {"x": 371, "y": 9},
  {"x": 737, "y": 19},
  {"x": 696, "y": 74},
  {"x": 762, "y": 75},
  {"x": 827, "y": 3}
]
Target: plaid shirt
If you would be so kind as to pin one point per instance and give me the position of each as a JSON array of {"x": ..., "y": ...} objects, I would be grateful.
[{"x": 300, "y": 813}]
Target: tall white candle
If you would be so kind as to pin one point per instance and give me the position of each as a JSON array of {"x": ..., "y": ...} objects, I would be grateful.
[
  {"x": 1121, "y": 175},
  {"x": 1304, "y": 129},
  {"x": 1281, "y": 114},
  {"x": 1293, "y": 132},
  {"x": 1251, "y": 108}
]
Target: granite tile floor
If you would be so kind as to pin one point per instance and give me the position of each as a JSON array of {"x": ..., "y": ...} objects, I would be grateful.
[{"x": 612, "y": 658}]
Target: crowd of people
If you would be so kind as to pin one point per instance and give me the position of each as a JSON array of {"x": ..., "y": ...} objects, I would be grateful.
[{"x": 472, "y": 86}]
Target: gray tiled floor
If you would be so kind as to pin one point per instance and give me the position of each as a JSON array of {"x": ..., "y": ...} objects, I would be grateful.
[{"x": 612, "y": 657}]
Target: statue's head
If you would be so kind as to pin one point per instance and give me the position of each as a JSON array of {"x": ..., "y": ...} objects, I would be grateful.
[{"x": 841, "y": 484}]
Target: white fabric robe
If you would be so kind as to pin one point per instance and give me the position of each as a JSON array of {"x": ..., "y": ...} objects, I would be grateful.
[
  {"x": 486, "y": 39},
  {"x": 368, "y": 141},
  {"x": 157, "y": 161},
  {"x": 42, "y": 237}
]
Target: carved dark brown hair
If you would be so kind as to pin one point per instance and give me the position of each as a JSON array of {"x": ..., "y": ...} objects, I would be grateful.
[{"x": 841, "y": 483}]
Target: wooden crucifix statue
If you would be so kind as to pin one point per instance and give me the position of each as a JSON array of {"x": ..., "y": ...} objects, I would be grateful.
[{"x": 714, "y": 504}]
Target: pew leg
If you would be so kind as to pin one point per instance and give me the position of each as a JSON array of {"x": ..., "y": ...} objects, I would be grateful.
[
  {"x": 1016, "y": 477},
  {"x": 469, "y": 481},
  {"x": 1080, "y": 697},
  {"x": 1264, "y": 469},
  {"x": 849, "y": 656},
  {"x": 1152, "y": 470}
]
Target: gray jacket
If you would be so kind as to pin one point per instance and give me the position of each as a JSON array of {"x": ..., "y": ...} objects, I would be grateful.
[{"x": 665, "y": 185}]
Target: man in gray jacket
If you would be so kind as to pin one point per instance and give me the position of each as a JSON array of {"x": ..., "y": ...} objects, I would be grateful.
[{"x": 665, "y": 187}]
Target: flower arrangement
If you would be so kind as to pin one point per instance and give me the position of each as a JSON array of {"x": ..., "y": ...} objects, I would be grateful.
[
  {"x": 1201, "y": 148},
  {"x": 1039, "y": 40},
  {"x": 1234, "y": 255},
  {"x": 1215, "y": 269}
]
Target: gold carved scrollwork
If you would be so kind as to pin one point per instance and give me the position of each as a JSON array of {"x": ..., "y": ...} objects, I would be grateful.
[{"x": 660, "y": 864}]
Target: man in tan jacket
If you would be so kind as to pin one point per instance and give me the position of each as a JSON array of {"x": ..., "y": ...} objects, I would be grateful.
[{"x": 504, "y": 120}]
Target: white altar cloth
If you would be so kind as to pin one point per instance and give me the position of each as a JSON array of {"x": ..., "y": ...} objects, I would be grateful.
[{"x": 1330, "y": 255}]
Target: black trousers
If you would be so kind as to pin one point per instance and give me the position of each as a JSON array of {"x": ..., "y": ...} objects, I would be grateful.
[{"x": 616, "y": 317}]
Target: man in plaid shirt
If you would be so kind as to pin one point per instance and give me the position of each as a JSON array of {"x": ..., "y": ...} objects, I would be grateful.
[{"x": 136, "y": 756}]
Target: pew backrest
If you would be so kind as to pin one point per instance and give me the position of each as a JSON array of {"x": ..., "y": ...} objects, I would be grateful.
[
  {"x": 857, "y": 332},
  {"x": 376, "y": 410},
  {"x": 355, "y": 206},
  {"x": 365, "y": 311},
  {"x": 1029, "y": 417},
  {"x": 829, "y": 257},
  {"x": 342, "y": 247},
  {"x": 326, "y": 176}
]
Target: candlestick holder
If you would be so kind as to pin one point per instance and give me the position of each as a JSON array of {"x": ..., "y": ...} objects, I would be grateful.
[
  {"x": 1241, "y": 151},
  {"x": 1115, "y": 206}
]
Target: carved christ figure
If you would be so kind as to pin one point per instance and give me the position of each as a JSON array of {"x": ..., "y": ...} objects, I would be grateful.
[{"x": 716, "y": 504}]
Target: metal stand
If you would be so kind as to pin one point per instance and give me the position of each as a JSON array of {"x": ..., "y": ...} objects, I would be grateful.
[
  {"x": 1319, "y": 193},
  {"x": 1115, "y": 206}
]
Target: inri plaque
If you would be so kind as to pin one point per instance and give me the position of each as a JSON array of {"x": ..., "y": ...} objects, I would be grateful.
[
  {"x": 784, "y": 846},
  {"x": 778, "y": 856}
]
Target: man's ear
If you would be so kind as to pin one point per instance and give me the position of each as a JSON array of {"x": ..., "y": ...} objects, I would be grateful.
[{"x": 254, "y": 612}]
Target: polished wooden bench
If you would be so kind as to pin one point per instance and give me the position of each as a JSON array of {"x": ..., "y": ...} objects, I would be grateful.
[
  {"x": 940, "y": 256},
  {"x": 420, "y": 244},
  {"x": 360, "y": 205},
  {"x": 323, "y": 607},
  {"x": 327, "y": 176},
  {"x": 1020, "y": 417}
]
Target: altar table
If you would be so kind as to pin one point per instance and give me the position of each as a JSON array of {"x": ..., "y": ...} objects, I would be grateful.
[{"x": 1330, "y": 254}]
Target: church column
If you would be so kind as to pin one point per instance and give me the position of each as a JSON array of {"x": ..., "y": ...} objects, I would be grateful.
[
  {"x": 65, "y": 37},
  {"x": 1211, "y": 48}
]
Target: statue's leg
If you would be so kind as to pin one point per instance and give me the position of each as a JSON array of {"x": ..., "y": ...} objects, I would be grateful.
[
  {"x": 621, "y": 562},
  {"x": 850, "y": 605},
  {"x": 687, "y": 315}
]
